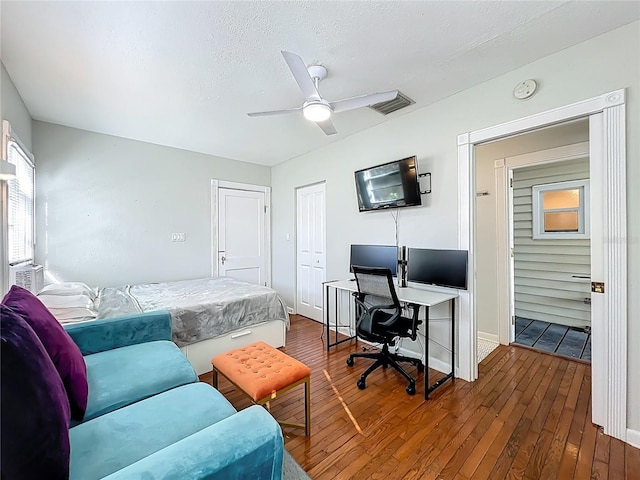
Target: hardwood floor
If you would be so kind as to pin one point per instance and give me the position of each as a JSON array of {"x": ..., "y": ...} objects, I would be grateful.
[{"x": 527, "y": 416}]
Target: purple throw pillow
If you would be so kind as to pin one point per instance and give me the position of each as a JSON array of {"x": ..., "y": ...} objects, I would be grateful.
[
  {"x": 64, "y": 353},
  {"x": 34, "y": 408}
]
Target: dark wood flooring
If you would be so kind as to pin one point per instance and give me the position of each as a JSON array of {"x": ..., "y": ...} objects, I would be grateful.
[{"x": 527, "y": 416}]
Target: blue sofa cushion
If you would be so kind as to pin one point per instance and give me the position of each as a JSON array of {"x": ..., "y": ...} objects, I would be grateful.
[
  {"x": 113, "y": 441},
  {"x": 126, "y": 375},
  {"x": 246, "y": 445},
  {"x": 35, "y": 409},
  {"x": 109, "y": 333}
]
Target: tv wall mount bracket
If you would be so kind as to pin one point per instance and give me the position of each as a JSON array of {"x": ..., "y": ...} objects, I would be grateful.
[{"x": 428, "y": 175}]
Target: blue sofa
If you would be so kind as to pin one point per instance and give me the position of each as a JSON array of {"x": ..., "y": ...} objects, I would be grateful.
[{"x": 148, "y": 417}]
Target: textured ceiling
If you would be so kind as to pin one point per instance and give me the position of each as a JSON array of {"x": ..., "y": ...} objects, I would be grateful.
[{"x": 185, "y": 74}]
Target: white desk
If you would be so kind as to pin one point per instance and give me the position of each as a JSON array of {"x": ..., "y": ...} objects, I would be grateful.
[{"x": 416, "y": 297}]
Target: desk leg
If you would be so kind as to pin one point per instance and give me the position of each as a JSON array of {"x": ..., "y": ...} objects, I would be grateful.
[
  {"x": 326, "y": 315},
  {"x": 335, "y": 316},
  {"x": 428, "y": 388},
  {"x": 426, "y": 353},
  {"x": 453, "y": 338},
  {"x": 327, "y": 318}
]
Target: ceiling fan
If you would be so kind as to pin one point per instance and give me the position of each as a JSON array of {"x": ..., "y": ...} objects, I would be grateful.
[{"x": 315, "y": 108}]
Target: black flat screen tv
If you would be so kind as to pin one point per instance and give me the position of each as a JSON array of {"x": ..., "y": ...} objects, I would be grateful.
[
  {"x": 393, "y": 184},
  {"x": 374, "y": 256},
  {"x": 446, "y": 268}
]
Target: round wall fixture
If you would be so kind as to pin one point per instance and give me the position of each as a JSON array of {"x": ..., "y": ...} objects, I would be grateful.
[{"x": 525, "y": 89}]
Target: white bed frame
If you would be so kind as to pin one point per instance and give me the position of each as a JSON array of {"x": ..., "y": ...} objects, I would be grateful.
[{"x": 200, "y": 353}]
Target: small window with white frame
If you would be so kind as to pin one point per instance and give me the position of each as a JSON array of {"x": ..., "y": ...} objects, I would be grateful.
[
  {"x": 561, "y": 210},
  {"x": 21, "y": 199}
]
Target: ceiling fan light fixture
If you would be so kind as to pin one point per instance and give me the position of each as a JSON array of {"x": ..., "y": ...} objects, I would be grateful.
[{"x": 316, "y": 112}]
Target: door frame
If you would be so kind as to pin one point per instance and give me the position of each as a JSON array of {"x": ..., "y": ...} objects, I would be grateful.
[
  {"x": 607, "y": 136},
  {"x": 297, "y": 189},
  {"x": 216, "y": 185},
  {"x": 504, "y": 202}
]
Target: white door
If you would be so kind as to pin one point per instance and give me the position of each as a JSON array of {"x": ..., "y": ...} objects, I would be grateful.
[
  {"x": 511, "y": 321},
  {"x": 601, "y": 256},
  {"x": 310, "y": 250},
  {"x": 242, "y": 252}
]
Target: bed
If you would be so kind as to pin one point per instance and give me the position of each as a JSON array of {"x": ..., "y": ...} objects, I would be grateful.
[{"x": 209, "y": 315}]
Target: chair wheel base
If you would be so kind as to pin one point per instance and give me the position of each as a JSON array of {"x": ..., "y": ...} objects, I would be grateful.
[
  {"x": 361, "y": 384},
  {"x": 421, "y": 367},
  {"x": 411, "y": 389},
  {"x": 350, "y": 362}
]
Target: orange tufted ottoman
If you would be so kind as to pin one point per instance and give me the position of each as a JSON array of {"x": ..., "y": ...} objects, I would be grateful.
[{"x": 263, "y": 373}]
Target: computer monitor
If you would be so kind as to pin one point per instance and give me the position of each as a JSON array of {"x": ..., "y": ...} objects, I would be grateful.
[
  {"x": 374, "y": 256},
  {"x": 446, "y": 268}
]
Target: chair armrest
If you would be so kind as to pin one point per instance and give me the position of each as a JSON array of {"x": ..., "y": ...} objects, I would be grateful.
[
  {"x": 248, "y": 444},
  {"x": 109, "y": 333},
  {"x": 415, "y": 320}
]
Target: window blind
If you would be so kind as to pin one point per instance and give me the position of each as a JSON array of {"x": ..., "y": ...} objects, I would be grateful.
[{"x": 21, "y": 205}]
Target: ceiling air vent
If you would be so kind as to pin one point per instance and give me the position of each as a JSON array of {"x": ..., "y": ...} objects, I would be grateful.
[{"x": 385, "y": 108}]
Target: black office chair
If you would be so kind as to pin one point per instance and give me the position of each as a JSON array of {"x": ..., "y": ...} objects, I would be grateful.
[{"x": 380, "y": 320}]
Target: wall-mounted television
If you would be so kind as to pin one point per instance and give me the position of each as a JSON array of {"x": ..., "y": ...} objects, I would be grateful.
[
  {"x": 390, "y": 185},
  {"x": 446, "y": 268},
  {"x": 374, "y": 256}
]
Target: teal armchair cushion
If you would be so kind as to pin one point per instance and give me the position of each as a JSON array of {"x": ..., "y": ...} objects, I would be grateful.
[
  {"x": 126, "y": 375},
  {"x": 113, "y": 441},
  {"x": 248, "y": 444},
  {"x": 100, "y": 335}
]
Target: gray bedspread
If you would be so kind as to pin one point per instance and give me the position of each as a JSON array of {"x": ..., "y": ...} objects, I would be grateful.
[{"x": 200, "y": 309}]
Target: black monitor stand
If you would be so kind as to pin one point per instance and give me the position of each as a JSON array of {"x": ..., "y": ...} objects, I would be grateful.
[{"x": 402, "y": 267}]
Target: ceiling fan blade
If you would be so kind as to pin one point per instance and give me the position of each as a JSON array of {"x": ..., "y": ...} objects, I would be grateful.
[
  {"x": 363, "y": 101},
  {"x": 301, "y": 74},
  {"x": 275, "y": 112},
  {"x": 327, "y": 127}
]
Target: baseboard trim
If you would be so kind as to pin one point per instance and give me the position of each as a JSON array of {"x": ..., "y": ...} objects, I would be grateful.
[
  {"x": 633, "y": 437},
  {"x": 489, "y": 337},
  {"x": 439, "y": 365},
  {"x": 434, "y": 363}
]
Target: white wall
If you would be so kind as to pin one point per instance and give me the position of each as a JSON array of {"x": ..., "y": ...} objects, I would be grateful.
[
  {"x": 603, "y": 64},
  {"x": 106, "y": 206},
  {"x": 12, "y": 108},
  {"x": 486, "y": 234}
]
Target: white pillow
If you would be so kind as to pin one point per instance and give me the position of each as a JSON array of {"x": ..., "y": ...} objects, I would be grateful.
[
  {"x": 75, "y": 314},
  {"x": 66, "y": 301},
  {"x": 69, "y": 288},
  {"x": 69, "y": 307}
]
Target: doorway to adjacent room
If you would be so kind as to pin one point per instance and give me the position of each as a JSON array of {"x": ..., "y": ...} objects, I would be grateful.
[
  {"x": 606, "y": 114},
  {"x": 544, "y": 298},
  {"x": 550, "y": 264}
]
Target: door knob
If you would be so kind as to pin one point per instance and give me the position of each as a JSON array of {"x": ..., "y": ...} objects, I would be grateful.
[{"x": 222, "y": 259}]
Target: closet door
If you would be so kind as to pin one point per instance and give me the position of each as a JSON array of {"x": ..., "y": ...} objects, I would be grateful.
[{"x": 310, "y": 250}]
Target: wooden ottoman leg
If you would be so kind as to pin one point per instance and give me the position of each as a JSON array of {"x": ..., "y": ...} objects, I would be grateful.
[
  {"x": 214, "y": 380},
  {"x": 307, "y": 406}
]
